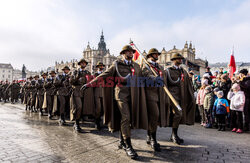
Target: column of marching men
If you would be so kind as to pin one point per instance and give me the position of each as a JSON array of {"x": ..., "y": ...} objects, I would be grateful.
[{"x": 126, "y": 96}]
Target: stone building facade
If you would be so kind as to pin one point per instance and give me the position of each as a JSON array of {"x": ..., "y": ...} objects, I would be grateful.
[
  {"x": 189, "y": 63},
  {"x": 103, "y": 54},
  {"x": 6, "y": 72},
  {"x": 60, "y": 65},
  {"x": 92, "y": 55}
]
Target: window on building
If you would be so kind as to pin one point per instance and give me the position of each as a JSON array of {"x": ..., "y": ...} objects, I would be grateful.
[
  {"x": 8, "y": 76},
  {"x": 3, "y": 76},
  {"x": 9, "y": 71},
  {"x": 3, "y": 70}
]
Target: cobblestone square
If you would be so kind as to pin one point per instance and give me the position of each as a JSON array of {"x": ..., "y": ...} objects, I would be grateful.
[{"x": 28, "y": 137}]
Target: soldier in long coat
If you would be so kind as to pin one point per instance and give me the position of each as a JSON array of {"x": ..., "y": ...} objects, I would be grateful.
[
  {"x": 82, "y": 101},
  {"x": 62, "y": 83},
  {"x": 21, "y": 93},
  {"x": 157, "y": 100},
  {"x": 27, "y": 90},
  {"x": 180, "y": 86},
  {"x": 14, "y": 89},
  {"x": 98, "y": 92},
  {"x": 124, "y": 101},
  {"x": 33, "y": 93},
  {"x": 40, "y": 92},
  {"x": 50, "y": 90},
  {"x": 1, "y": 90},
  {"x": 6, "y": 91}
]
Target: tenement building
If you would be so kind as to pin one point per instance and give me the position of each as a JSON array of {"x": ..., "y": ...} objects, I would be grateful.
[{"x": 6, "y": 72}]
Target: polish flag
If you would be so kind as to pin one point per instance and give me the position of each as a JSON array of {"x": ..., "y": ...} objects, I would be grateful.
[
  {"x": 137, "y": 57},
  {"x": 232, "y": 66}
]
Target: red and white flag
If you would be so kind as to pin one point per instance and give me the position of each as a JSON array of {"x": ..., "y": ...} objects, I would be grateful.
[
  {"x": 232, "y": 65},
  {"x": 137, "y": 56}
]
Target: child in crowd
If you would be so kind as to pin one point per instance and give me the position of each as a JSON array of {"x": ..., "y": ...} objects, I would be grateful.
[
  {"x": 208, "y": 106},
  {"x": 200, "y": 100},
  {"x": 221, "y": 108},
  {"x": 237, "y": 98},
  {"x": 215, "y": 93},
  {"x": 214, "y": 120}
]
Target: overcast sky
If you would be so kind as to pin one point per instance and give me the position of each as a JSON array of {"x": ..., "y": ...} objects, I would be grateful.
[{"x": 39, "y": 32}]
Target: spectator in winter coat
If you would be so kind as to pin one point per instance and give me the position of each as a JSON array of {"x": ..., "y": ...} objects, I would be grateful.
[
  {"x": 225, "y": 84},
  {"x": 208, "y": 71},
  {"x": 200, "y": 100},
  {"x": 245, "y": 87},
  {"x": 214, "y": 120},
  {"x": 237, "y": 98},
  {"x": 221, "y": 108},
  {"x": 208, "y": 106}
]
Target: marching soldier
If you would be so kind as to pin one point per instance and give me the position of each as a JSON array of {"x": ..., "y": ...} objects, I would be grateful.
[
  {"x": 21, "y": 93},
  {"x": 98, "y": 92},
  {"x": 156, "y": 97},
  {"x": 1, "y": 90},
  {"x": 40, "y": 92},
  {"x": 83, "y": 101},
  {"x": 5, "y": 91},
  {"x": 180, "y": 87},
  {"x": 14, "y": 91},
  {"x": 50, "y": 92},
  {"x": 129, "y": 109},
  {"x": 33, "y": 93},
  {"x": 64, "y": 91},
  {"x": 27, "y": 90}
]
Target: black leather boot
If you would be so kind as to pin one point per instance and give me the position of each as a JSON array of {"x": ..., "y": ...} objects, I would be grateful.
[
  {"x": 148, "y": 140},
  {"x": 121, "y": 144},
  {"x": 62, "y": 120},
  {"x": 77, "y": 127},
  {"x": 41, "y": 112},
  {"x": 31, "y": 109},
  {"x": 154, "y": 145},
  {"x": 175, "y": 138},
  {"x": 50, "y": 116},
  {"x": 219, "y": 127},
  {"x": 97, "y": 124},
  {"x": 129, "y": 149}
]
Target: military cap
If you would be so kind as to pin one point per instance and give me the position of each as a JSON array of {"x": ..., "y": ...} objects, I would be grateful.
[
  {"x": 44, "y": 74},
  {"x": 52, "y": 72},
  {"x": 99, "y": 64},
  {"x": 153, "y": 51},
  {"x": 83, "y": 60},
  {"x": 176, "y": 56},
  {"x": 127, "y": 48},
  {"x": 66, "y": 68}
]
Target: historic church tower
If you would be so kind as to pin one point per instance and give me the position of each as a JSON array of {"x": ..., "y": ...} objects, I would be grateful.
[
  {"x": 101, "y": 54},
  {"x": 102, "y": 45}
]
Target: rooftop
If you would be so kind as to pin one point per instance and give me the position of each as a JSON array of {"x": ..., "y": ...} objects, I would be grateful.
[{"x": 6, "y": 65}]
